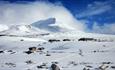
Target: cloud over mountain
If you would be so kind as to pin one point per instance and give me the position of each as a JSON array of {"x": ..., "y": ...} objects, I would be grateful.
[{"x": 14, "y": 13}]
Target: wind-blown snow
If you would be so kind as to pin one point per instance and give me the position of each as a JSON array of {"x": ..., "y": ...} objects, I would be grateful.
[
  {"x": 45, "y": 24},
  {"x": 3, "y": 27},
  {"x": 53, "y": 25},
  {"x": 35, "y": 11}
]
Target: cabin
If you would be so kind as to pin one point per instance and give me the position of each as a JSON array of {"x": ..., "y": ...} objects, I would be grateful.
[
  {"x": 66, "y": 40},
  {"x": 53, "y": 40},
  {"x": 87, "y": 39},
  {"x": 1, "y": 51},
  {"x": 32, "y": 49}
]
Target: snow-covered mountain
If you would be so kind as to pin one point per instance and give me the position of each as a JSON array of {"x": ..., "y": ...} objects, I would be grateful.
[
  {"x": 39, "y": 27},
  {"x": 53, "y": 25},
  {"x": 49, "y": 25},
  {"x": 22, "y": 30},
  {"x": 45, "y": 25}
]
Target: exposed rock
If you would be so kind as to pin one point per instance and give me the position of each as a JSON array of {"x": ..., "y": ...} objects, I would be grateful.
[{"x": 55, "y": 67}]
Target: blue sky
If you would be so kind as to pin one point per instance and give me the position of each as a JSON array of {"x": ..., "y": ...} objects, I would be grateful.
[
  {"x": 100, "y": 11},
  {"x": 98, "y": 15}
]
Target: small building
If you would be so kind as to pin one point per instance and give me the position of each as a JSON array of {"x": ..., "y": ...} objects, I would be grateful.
[
  {"x": 66, "y": 40},
  {"x": 53, "y": 40},
  {"x": 87, "y": 39},
  {"x": 32, "y": 49}
]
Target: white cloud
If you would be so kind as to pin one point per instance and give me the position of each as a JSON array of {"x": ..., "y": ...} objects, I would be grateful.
[
  {"x": 35, "y": 11},
  {"x": 98, "y": 8},
  {"x": 105, "y": 29},
  {"x": 31, "y": 12},
  {"x": 95, "y": 9}
]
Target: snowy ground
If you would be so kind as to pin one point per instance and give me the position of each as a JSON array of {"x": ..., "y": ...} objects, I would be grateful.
[{"x": 69, "y": 55}]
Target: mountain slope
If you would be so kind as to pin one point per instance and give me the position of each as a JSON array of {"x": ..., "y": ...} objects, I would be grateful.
[
  {"x": 45, "y": 25},
  {"x": 22, "y": 30},
  {"x": 53, "y": 25},
  {"x": 50, "y": 26}
]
